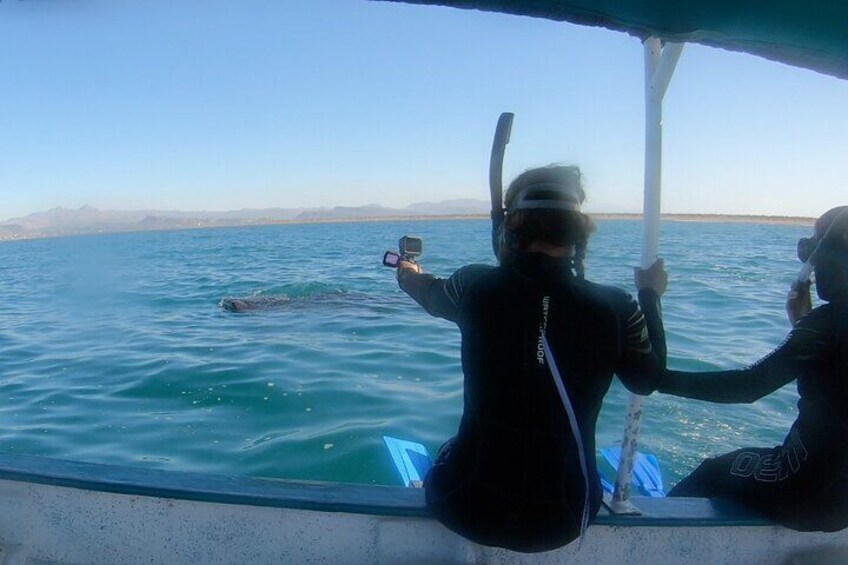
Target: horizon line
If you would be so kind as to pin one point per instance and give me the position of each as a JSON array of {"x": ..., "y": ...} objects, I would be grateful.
[{"x": 631, "y": 216}]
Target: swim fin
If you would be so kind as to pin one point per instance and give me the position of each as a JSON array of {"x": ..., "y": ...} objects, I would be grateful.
[
  {"x": 647, "y": 477},
  {"x": 412, "y": 460}
]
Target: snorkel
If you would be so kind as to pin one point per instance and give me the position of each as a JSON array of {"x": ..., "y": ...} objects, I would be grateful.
[
  {"x": 502, "y": 133},
  {"x": 806, "y": 271}
]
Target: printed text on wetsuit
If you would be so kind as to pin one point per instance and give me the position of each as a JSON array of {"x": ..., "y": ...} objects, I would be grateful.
[{"x": 543, "y": 326}]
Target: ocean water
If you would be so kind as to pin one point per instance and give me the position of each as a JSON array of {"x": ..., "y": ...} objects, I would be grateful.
[{"x": 114, "y": 349}]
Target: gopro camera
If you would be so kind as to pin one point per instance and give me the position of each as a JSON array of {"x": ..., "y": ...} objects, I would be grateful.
[{"x": 408, "y": 249}]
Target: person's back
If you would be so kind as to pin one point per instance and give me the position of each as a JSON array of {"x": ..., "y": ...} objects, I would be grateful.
[{"x": 516, "y": 474}]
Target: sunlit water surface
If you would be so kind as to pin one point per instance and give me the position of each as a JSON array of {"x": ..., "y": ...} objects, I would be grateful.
[{"x": 114, "y": 349}]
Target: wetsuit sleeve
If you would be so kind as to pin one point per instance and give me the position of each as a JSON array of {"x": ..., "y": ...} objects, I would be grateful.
[
  {"x": 649, "y": 302},
  {"x": 804, "y": 344},
  {"x": 642, "y": 361},
  {"x": 440, "y": 297}
]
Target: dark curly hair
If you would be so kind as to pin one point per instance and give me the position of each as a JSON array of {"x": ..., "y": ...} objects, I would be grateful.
[{"x": 554, "y": 227}]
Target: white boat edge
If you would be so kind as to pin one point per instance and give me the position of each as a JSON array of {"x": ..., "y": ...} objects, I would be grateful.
[{"x": 66, "y": 512}]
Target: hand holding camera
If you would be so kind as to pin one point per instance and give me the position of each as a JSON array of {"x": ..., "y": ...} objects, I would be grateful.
[{"x": 408, "y": 249}]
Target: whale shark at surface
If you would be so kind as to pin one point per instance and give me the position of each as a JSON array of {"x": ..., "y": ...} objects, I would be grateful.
[
  {"x": 253, "y": 303},
  {"x": 265, "y": 302}
]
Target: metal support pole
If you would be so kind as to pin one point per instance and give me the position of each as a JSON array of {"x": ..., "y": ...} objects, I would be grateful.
[{"x": 660, "y": 62}]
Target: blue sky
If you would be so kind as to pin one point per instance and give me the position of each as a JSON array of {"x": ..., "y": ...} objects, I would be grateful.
[{"x": 219, "y": 105}]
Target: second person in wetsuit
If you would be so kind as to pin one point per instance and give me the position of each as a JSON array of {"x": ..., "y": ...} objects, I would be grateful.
[
  {"x": 802, "y": 483},
  {"x": 520, "y": 473}
]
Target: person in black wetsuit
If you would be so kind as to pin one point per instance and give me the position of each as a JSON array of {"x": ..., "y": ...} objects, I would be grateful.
[
  {"x": 803, "y": 483},
  {"x": 514, "y": 475}
]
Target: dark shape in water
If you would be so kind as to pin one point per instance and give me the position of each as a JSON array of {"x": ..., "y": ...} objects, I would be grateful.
[
  {"x": 321, "y": 298},
  {"x": 253, "y": 303}
]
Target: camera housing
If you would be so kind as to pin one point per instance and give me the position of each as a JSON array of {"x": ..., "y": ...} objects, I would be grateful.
[{"x": 410, "y": 246}]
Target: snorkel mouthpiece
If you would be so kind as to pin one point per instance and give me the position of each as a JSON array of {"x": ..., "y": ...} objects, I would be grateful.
[{"x": 805, "y": 272}]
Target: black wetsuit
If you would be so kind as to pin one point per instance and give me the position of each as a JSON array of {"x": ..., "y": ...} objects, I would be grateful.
[
  {"x": 803, "y": 483},
  {"x": 511, "y": 477}
]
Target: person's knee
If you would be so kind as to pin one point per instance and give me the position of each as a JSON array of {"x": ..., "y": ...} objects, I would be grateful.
[
  {"x": 690, "y": 486},
  {"x": 698, "y": 483}
]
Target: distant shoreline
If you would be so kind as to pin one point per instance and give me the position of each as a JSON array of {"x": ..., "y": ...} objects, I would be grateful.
[
  {"x": 723, "y": 218},
  {"x": 702, "y": 218}
]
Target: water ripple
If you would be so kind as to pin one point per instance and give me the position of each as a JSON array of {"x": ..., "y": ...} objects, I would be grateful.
[{"x": 114, "y": 348}]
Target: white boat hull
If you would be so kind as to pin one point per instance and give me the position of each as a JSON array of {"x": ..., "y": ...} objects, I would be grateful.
[{"x": 75, "y": 513}]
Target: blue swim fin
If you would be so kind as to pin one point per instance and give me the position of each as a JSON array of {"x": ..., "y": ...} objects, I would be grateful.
[
  {"x": 412, "y": 460},
  {"x": 647, "y": 477}
]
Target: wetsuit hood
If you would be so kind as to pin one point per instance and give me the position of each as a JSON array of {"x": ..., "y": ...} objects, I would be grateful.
[
  {"x": 541, "y": 266},
  {"x": 831, "y": 279},
  {"x": 830, "y": 258}
]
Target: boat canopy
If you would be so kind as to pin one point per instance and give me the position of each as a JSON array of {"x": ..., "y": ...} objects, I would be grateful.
[{"x": 811, "y": 34}]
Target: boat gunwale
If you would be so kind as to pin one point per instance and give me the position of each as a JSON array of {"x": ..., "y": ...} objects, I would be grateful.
[{"x": 374, "y": 500}]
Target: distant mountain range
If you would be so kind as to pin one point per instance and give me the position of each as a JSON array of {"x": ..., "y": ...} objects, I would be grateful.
[{"x": 89, "y": 220}]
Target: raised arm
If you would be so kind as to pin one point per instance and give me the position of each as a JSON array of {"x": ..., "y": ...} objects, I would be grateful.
[
  {"x": 643, "y": 356},
  {"x": 439, "y": 297},
  {"x": 642, "y": 361},
  {"x": 805, "y": 343}
]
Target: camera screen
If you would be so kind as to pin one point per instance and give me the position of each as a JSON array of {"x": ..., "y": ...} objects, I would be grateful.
[{"x": 391, "y": 259}]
